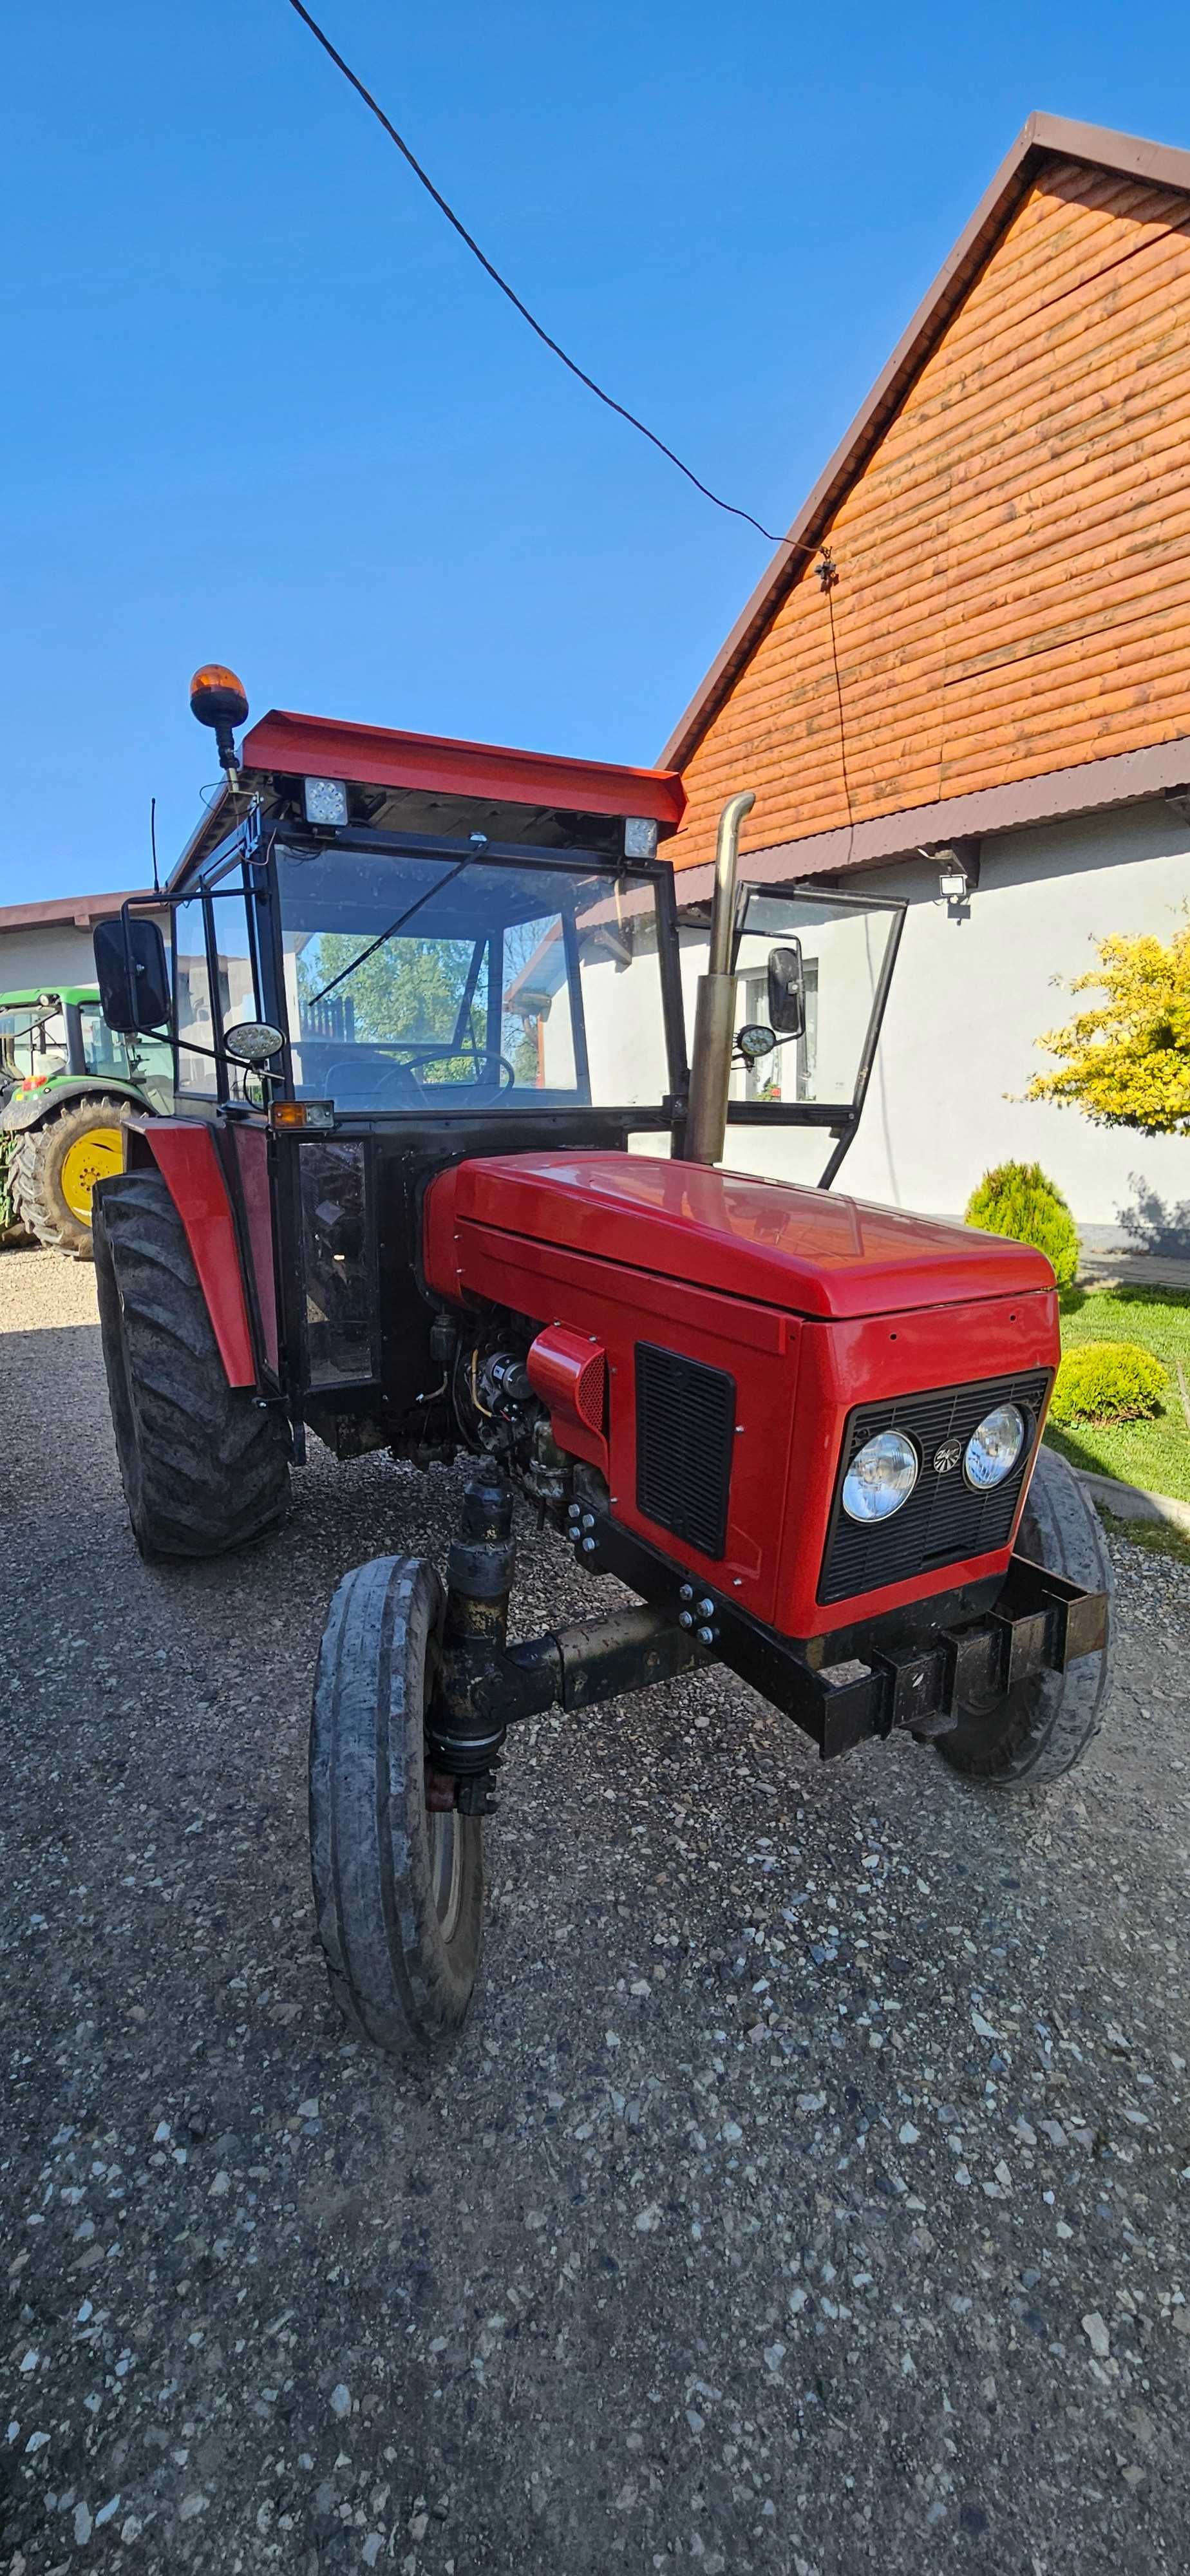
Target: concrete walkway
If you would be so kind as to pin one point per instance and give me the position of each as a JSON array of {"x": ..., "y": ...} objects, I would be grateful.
[{"x": 1134, "y": 1270}]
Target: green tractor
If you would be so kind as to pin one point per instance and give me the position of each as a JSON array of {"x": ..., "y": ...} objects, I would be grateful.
[{"x": 68, "y": 1087}]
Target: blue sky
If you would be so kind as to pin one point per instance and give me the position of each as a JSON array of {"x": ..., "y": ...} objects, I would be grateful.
[{"x": 263, "y": 408}]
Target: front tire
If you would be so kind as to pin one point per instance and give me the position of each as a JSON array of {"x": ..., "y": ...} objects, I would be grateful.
[
  {"x": 57, "y": 1165},
  {"x": 398, "y": 1891},
  {"x": 204, "y": 1467},
  {"x": 1044, "y": 1726}
]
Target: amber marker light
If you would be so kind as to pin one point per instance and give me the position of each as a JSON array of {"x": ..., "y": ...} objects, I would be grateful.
[
  {"x": 290, "y": 1114},
  {"x": 220, "y": 700}
]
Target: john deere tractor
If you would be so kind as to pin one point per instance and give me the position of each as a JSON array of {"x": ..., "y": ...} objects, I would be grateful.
[{"x": 68, "y": 1087}]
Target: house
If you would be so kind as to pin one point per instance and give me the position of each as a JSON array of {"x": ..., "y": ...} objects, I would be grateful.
[
  {"x": 49, "y": 944},
  {"x": 965, "y": 677}
]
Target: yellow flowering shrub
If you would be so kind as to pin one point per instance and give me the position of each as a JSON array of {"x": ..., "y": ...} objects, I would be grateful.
[{"x": 1127, "y": 1064}]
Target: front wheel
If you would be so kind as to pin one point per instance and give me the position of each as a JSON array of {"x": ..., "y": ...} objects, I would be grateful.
[
  {"x": 398, "y": 1888},
  {"x": 1044, "y": 1726}
]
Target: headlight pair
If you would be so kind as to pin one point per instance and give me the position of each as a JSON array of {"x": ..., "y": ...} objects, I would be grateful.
[{"x": 883, "y": 1473}]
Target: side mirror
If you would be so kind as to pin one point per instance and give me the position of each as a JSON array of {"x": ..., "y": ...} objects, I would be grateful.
[
  {"x": 787, "y": 991},
  {"x": 132, "y": 974}
]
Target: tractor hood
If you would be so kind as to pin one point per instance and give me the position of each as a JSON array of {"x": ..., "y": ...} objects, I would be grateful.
[{"x": 802, "y": 1250}]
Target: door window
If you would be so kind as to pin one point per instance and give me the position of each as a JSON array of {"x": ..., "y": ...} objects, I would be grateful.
[
  {"x": 192, "y": 999},
  {"x": 203, "y": 1017},
  {"x": 235, "y": 972}
]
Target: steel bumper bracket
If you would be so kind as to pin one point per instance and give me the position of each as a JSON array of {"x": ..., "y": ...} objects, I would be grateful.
[{"x": 1041, "y": 1622}]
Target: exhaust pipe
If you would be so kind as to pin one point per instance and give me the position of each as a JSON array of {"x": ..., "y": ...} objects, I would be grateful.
[{"x": 714, "y": 1010}]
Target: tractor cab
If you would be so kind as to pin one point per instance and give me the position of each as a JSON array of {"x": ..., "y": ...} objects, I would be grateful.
[
  {"x": 441, "y": 1179},
  {"x": 391, "y": 952}
]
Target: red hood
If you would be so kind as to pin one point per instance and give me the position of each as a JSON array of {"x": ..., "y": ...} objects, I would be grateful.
[{"x": 805, "y": 1251}]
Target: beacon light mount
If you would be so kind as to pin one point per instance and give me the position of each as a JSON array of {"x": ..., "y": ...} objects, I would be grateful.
[{"x": 219, "y": 699}]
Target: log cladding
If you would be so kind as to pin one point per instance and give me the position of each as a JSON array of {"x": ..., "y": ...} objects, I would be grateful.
[{"x": 1013, "y": 556}]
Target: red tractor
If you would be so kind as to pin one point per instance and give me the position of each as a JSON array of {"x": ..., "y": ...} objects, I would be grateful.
[{"x": 439, "y": 1179}]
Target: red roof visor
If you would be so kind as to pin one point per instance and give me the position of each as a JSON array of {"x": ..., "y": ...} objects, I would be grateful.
[{"x": 374, "y": 756}]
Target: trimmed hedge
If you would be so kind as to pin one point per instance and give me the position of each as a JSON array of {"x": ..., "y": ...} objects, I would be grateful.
[
  {"x": 1107, "y": 1382},
  {"x": 1016, "y": 1199}
]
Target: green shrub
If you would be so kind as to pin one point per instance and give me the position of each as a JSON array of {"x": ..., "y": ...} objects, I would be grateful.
[
  {"x": 1107, "y": 1382},
  {"x": 1017, "y": 1199}
]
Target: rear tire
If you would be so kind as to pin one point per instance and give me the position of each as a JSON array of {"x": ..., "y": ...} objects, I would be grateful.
[
  {"x": 56, "y": 1166},
  {"x": 204, "y": 1467},
  {"x": 13, "y": 1230},
  {"x": 1045, "y": 1725},
  {"x": 398, "y": 1892}
]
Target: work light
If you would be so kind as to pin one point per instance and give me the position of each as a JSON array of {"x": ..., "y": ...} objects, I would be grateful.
[
  {"x": 326, "y": 801},
  {"x": 994, "y": 1447},
  {"x": 881, "y": 1477}
]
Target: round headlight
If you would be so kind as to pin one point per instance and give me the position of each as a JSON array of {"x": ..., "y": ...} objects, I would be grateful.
[
  {"x": 881, "y": 1477},
  {"x": 994, "y": 1448}
]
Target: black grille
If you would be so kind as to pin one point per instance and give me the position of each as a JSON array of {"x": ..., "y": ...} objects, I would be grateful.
[
  {"x": 685, "y": 1432},
  {"x": 942, "y": 1520}
]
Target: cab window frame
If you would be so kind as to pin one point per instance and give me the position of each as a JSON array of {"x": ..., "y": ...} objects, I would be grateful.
[{"x": 210, "y": 889}]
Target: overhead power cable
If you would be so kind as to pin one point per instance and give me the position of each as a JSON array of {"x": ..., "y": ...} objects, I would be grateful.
[{"x": 731, "y": 507}]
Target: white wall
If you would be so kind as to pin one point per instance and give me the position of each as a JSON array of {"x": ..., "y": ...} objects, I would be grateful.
[
  {"x": 969, "y": 998},
  {"x": 57, "y": 954}
]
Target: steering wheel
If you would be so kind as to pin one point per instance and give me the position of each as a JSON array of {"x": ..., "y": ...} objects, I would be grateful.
[
  {"x": 446, "y": 1054},
  {"x": 399, "y": 1078},
  {"x": 403, "y": 1079}
]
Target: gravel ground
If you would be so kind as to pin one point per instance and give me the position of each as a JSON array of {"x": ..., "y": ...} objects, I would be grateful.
[{"x": 809, "y": 2191}]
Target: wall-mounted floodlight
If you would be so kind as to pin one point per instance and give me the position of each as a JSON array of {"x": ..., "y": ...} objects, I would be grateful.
[{"x": 957, "y": 863}]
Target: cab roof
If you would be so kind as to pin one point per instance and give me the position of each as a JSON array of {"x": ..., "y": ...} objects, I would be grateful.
[
  {"x": 48, "y": 993},
  {"x": 431, "y": 783}
]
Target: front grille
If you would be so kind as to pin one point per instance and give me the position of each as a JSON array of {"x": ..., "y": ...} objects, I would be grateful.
[
  {"x": 943, "y": 1521},
  {"x": 685, "y": 1433}
]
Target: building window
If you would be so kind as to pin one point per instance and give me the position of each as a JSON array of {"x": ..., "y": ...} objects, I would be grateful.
[{"x": 791, "y": 1072}]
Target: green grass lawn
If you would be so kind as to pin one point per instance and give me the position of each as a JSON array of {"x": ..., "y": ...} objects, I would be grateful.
[{"x": 1154, "y": 1454}]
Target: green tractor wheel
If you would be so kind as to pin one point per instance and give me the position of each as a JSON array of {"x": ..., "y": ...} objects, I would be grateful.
[{"x": 54, "y": 1168}]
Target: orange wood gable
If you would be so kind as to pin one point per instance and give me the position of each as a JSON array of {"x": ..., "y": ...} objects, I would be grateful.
[{"x": 1013, "y": 556}]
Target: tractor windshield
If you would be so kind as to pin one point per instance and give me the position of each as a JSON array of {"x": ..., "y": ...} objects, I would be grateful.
[{"x": 414, "y": 980}]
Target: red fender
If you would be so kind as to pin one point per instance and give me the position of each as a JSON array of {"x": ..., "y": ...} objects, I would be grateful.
[{"x": 187, "y": 1158}]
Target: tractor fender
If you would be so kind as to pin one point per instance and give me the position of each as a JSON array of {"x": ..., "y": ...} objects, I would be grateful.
[
  {"x": 30, "y": 1108},
  {"x": 187, "y": 1157}
]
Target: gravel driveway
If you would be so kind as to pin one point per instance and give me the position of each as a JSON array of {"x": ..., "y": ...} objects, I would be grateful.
[{"x": 809, "y": 2192}]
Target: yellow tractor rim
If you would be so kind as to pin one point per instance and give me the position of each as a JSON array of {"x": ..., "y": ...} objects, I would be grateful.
[{"x": 90, "y": 1159}]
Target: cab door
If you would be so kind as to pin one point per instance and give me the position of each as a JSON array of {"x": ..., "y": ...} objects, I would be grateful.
[{"x": 813, "y": 975}]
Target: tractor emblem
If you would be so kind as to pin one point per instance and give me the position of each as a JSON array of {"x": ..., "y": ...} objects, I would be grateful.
[{"x": 946, "y": 1458}]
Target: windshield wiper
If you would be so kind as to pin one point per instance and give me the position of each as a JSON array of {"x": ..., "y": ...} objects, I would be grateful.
[{"x": 393, "y": 927}]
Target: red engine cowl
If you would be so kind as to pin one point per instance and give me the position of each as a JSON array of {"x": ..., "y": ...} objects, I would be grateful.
[{"x": 785, "y": 1308}]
